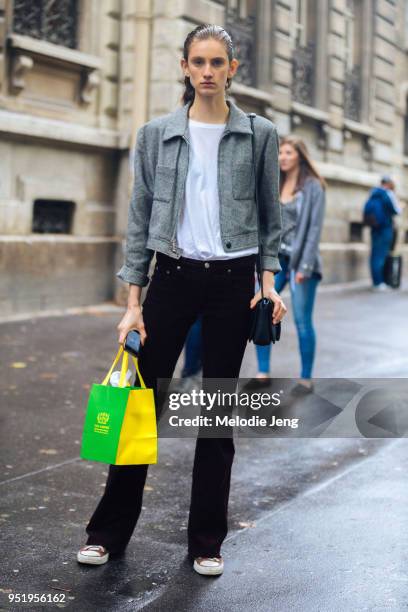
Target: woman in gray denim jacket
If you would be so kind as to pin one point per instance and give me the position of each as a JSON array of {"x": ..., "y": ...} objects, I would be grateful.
[
  {"x": 193, "y": 204},
  {"x": 302, "y": 193}
]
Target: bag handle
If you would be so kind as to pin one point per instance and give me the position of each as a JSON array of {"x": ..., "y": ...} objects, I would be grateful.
[
  {"x": 142, "y": 382},
  {"x": 124, "y": 368},
  {"x": 259, "y": 268},
  {"x": 115, "y": 361}
]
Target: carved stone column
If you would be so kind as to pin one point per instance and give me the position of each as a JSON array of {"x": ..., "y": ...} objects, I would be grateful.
[
  {"x": 321, "y": 56},
  {"x": 2, "y": 40},
  {"x": 265, "y": 45},
  {"x": 367, "y": 59}
]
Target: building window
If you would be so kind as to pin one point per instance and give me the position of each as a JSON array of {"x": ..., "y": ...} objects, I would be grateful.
[
  {"x": 356, "y": 232},
  {"x": 352, "y": 84},
  {"x": 53, "y": 216},
  {"x": 240, "y": 20},
  {"x": 52, "y": 20},
  {"x": 304, "y": 47},
  {"x": 300, "y": 23}
]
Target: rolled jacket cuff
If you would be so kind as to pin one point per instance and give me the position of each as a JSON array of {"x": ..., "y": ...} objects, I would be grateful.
[
  {"x": 306, "y": 270},
  {"x": 132, "y": 276},
  {"x": 271, "y": 263}
]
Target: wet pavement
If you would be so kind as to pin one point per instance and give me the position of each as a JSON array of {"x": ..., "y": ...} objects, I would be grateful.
[{"x": 315, "y": 524}]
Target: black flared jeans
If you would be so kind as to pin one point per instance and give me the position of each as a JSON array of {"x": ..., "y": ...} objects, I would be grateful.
[{"x": 180, "y": 291}]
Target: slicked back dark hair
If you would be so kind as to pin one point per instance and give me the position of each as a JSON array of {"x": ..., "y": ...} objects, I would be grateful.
[{"x": 204, "y": 32}]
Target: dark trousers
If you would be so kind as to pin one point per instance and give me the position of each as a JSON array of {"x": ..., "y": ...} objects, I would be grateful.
[
  {"x": 181, "y": 291},
  {"x": 381, "y": 241}
]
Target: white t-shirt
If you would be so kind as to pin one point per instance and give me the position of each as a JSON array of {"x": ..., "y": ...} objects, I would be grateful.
[{"x": 198, "y": 229}]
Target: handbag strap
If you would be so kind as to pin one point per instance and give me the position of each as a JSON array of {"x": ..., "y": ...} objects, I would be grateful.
[{"x": 259, "y": 268}]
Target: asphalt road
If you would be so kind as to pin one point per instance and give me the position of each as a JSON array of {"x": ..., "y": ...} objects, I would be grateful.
[{"x": 316, "y": 524}]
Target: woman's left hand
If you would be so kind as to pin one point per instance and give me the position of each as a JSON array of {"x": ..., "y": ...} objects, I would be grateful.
[
  {"x": 279, "y": 308},
  {"x": 299, "y": 277}
]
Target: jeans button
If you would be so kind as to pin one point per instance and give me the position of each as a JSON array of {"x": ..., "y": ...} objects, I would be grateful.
[
  {"x": 206, "y": 265},
  {"x": 178, "y": 267},
  {"x": 167, "y": 271}
]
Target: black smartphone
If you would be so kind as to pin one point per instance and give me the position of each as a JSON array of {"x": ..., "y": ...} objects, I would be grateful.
[{"x": 132, "y": 343}]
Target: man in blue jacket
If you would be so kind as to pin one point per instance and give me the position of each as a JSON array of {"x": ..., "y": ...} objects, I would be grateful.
[{"x": 379, "y": 211}]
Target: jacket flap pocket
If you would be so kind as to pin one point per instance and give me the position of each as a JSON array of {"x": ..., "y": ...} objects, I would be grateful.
[
  {"x": 242, "y": 181},
  {"x": 164, "y": 183}
]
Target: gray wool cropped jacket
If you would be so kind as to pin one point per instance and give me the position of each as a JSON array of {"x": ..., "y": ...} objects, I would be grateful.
[
  {"x": 160, "y": 172},
  {"x": 305, "y": 256}
]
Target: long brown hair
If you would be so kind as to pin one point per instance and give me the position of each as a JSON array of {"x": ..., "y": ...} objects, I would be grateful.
[
  {"x": 307, "y": 167},
  {"x": 203, "y": 32}
]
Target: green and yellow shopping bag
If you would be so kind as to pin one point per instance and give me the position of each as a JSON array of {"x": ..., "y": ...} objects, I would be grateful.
[{"x": 120, "y": 422}]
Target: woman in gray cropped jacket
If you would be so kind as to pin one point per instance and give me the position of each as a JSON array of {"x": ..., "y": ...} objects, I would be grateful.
[
  {"x": 302, "y": 194},
  {"x": 193, "y": 205}
]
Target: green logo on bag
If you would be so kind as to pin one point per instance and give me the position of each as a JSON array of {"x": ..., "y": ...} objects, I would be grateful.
[
  {"x": 102, "y": 418},
  {"x": 101, "y": 425}
]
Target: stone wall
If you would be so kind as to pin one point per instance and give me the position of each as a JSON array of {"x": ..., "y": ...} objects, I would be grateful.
[
  {"x": 64, "y": 137},
  {"x": 69, "y": 118},
  {"x": 43, "y": 273},
  {"x": 351, "y": 152}
]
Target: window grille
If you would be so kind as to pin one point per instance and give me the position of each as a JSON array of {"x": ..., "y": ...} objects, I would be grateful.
[
  {"x": 53, "y": 216},
  {"x": 52, "y": 20}
]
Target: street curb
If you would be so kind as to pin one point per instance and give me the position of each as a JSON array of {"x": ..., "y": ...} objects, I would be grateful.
[
  {"x": 98, "y": 309},
  {"x": 111, "y": 307}
]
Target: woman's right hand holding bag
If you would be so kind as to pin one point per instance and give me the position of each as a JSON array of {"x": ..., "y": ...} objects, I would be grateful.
[{"x": 133, "y": 318}]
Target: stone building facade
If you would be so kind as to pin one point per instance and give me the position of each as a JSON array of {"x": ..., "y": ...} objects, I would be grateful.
[
  {"x": 68, "y": 108},
  {"x": 78, "y": 77}
]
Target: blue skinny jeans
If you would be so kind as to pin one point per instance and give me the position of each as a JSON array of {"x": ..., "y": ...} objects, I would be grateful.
[
  {"x": 303, "y": 297},
  {"x": 193, "y": 350}
]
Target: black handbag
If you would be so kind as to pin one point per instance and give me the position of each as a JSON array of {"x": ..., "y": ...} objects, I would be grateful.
[
  {"x": 262, "y": 330},
  {"x": 393, "y": 270}
]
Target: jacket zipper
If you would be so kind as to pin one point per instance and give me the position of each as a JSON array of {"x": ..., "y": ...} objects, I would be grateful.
[
  {"x": 218, "y": 179},
  {"x": 173, "y": 240}
]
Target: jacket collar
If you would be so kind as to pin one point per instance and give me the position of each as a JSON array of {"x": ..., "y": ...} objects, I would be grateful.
[{"x": 177, "y": 124}]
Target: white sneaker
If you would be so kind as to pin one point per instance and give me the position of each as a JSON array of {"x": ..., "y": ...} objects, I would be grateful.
[
  {"x": 209, "y": 566},
  {"x": 380, "y": 287},
  {"x": 93, "y": 555}
]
